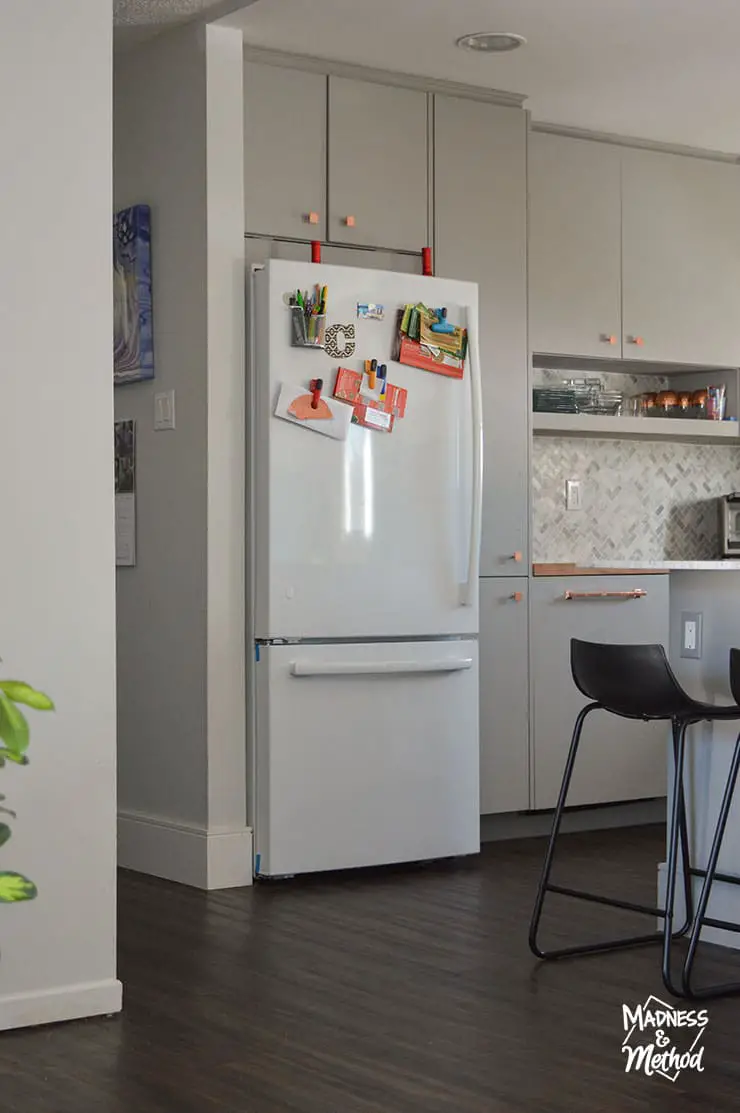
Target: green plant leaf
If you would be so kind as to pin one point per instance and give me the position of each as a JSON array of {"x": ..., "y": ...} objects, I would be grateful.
[
  {"x": 20, "y": 692},
  {"x": 4, "y": 833},
  {"x": 14, "y": 729},
  {"x": 15, "y": 887},
  {"x": 17, "y": 759}
]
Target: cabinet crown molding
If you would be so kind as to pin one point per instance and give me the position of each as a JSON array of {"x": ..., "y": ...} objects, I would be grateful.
[
  {"x": 381, "y": 77},
  {"x": 632, "y": 141}
]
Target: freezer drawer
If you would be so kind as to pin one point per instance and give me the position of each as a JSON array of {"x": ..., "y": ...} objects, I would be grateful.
[{"x": 365, "y": 754}]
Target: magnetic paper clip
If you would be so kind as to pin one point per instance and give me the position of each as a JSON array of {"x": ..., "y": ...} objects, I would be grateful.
[{"x": 315, "y": 386}]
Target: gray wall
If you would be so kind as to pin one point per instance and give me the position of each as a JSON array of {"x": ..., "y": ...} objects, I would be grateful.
[{"x": 178, "y": 147}]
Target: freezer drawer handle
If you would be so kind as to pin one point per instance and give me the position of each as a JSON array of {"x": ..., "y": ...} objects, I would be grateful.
[
  {"x": 637, "y": 593},
  {"x": 377, "y": 668}
]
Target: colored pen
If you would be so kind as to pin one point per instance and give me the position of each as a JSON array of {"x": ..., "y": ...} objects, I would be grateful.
[
  {"x": 373, "y": 370},
  {"x": 383, "y": 373},
  {"x": 324, "y": 295}
]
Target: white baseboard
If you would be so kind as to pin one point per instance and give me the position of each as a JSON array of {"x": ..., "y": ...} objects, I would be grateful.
[
  {"x": 189, "y": 855},
  {"x": 724, "y": 904},
  {"x": 70, "y": 1002}
]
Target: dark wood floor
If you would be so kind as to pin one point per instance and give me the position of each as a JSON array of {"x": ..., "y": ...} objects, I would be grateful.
[{"x": 405, "y": 991}]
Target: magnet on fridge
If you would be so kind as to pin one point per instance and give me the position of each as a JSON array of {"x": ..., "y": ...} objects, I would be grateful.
[
  {"x": 311, "y": 410},
  {"x": 370, "y": 311},
  {"x": 339, "y": 341}
]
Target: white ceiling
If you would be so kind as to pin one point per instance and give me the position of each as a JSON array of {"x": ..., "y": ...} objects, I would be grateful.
[
  {"x": 136, "y": 20},
  {"x": 656, "y": 69}
]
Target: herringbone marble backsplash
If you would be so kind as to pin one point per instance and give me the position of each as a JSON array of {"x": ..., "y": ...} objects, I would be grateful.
[{"x": 641, "y": 500}]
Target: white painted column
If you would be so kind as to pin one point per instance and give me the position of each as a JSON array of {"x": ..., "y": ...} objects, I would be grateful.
[
  {"x": 57, "y": 558},
  {"x": 182, "y": 745}
]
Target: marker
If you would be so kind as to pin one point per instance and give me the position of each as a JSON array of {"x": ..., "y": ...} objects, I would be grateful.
[
  {"x": 373, "y": 370},
  {"x": 324, "y": 295},
  {"x": 315, "y": 386},
  {"x": 383, "y": 373}
]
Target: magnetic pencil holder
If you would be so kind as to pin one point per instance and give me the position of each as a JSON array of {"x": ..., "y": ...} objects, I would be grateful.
[{"x": 307, "y": 329}]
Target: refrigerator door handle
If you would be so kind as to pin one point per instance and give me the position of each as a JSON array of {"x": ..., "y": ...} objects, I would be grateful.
[
  {"x": 468, "y": 589},
  {"x": 377, "y": 668}
]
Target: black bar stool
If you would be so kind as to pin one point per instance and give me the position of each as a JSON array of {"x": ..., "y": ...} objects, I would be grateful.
[
  {"x": 710, "y": 873},
  {"x": 636, "y": 682}
]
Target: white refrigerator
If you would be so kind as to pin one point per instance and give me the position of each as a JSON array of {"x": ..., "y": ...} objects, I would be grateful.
[{"x": 363, "y": 561}]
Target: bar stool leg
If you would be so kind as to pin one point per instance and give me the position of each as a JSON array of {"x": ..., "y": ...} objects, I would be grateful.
[
  {"x": 724, "y": 811},
  {"x": 677, "y": 834},
  {"x": 688, "y": 891},
  {"x": 545, "y": 885},
  {"x": 547, "y": 866}
]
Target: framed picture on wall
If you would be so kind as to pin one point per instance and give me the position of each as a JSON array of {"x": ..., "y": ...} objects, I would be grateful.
[{"x": 133, "y": 334}]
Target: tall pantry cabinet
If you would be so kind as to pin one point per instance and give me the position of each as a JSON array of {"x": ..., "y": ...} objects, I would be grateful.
[{"x": 480, "y": 224}]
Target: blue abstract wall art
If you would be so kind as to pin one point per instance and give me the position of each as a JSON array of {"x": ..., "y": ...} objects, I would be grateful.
[{"x": 133, "y": 335}]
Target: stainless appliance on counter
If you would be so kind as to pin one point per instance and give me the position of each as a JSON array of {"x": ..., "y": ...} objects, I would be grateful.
[{"x": 729, "y": 524}]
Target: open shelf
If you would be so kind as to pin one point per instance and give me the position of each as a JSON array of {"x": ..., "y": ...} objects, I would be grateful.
[{"x": 636, "y": 428}]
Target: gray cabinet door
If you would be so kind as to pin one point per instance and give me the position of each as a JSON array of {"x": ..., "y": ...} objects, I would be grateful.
[
  {"x": 284, "y": 151},
  {"x": 504, "y": 696},
  {"x": 681, "y": 258},
  {"x": 480, "y": 235},
  {"x": 574, "y": 246},
  {"x": 378, "y": 165},
  {"x": 618, "y": 759}
]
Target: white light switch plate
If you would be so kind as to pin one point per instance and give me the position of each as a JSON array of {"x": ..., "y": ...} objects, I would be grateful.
[{"x": 164, "y": 410}]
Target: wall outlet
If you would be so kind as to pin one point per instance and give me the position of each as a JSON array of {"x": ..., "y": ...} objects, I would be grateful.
[
  {"x": 691, "y": 634},
  {"x": 573, "y": 494}
]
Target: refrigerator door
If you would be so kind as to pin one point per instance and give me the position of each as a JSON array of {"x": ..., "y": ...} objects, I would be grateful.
[
  {"x": 378, "y": 535},
  {"x": 367, "y": 754}
]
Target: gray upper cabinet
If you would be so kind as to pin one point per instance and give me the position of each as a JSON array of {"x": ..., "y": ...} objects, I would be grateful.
[
  {"x": 480, "y": 235},
  {"x": 681, "y": 258},
  {"x": 284, "y": 152},
  {"x": 574, "y": 246},
  {"x": 378, "y": 165}
]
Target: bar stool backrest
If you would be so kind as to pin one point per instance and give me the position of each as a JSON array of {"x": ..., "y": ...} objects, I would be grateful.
[{"x": 634, "y": 681}]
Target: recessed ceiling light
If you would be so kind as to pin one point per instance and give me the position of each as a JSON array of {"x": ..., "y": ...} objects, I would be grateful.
[{"x": 491, "y": 42}]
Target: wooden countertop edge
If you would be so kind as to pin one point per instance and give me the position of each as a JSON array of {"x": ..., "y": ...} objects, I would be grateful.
[{"x": 575, "y": 570}]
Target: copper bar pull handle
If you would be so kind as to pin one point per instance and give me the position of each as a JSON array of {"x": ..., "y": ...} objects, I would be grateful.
[{"x": 636, "y": 593}]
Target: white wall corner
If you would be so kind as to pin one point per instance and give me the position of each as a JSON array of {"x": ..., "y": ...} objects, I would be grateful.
[
  {"x": 226, "y": 578},
  {"x": 188, "y": 855}
]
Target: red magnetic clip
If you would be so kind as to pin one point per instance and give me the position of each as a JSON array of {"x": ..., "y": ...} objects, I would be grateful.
[
  {"x": 315, "y": 386},
  {"x": 315, "y": 251},
  {"x": 426, "y": 262}
]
